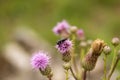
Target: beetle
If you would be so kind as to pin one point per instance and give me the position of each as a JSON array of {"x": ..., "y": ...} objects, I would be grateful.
[{"x": 61, "y": 41}]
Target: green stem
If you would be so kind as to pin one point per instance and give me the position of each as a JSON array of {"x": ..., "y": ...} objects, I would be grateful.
[
  {"x": 112, "y": 65},
  {"x": 67, "y": 75},
  {"x": 113, "y": 68},
  {"x": 105, "y": 60},
  {"x": 82, "y": 54},
  {"x": 73, "y": 74},
  {"x": 73, "y": 55},
  {"x": 114, "y": 57}
]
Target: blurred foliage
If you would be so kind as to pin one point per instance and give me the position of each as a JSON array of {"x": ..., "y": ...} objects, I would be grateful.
[{"x": 98, "y": 18}]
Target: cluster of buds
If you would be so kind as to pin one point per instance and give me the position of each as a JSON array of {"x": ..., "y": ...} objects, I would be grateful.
[{"x": 72, "y": 38}]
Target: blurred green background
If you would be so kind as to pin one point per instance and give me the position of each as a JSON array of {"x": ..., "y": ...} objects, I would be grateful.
[{"x": 98, "y": 18}]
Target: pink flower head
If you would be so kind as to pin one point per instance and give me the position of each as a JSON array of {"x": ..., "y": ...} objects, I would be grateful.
[
  {"x": 40, "y": 60},
  {"x": 80, "y": 34},
  {"x": 61, "y": 27},
  {"x": 64, "y": 46}
]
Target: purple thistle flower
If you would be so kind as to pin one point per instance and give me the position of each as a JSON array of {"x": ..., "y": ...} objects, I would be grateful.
[
  {"x": 64, "y": 46},
  {"x": 61, "y": 27},
  {"x": 80, "y": 34},
  {"x": 40, "y": 60}
]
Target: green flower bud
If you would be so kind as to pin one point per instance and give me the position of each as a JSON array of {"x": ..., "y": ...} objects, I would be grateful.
[
  {"x": 106, "y": 50},
  {"x": 83, "y": 44},
  {"x": 47, "y": 71},
  {"x": 89, "y": 42},
  {"x": 66, "y": 66},
  {"x": 66, "y": 57},
  {"x": 89, "y": 61},
  {"x": 73, "y": 29},
  {"x": 115, "y": 41}
]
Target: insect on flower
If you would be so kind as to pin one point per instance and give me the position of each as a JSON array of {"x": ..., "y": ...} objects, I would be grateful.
[
  {"x": 64, "y": 45},
  {"x": 61, "y": 41}
]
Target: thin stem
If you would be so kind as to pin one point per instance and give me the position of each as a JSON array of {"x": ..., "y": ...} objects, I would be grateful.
[
  {"x": 67, "y": 75},
  {"x": 114, "y": 57},
  {"x": 112, "y": 65},
  {"x": 73, "y": 74},
  {"x": 89, "y": 75},
  {"x": 113, "y": 68},
  {"x": 49, "y": 78},
  {"x": 105, "y": 60},
  {"x": 73, "y": 55},
  {"x": 84, "y": 75},
  {"x": 82, "y": 54}
]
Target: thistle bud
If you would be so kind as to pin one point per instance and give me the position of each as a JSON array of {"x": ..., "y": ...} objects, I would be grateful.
[
  {"x": 66, "y": 66},
  {"x": 73, "y": 29},
  {"x": 89, "y": 42},
  {"x": 80, "y": 34},
  {"x": 115, "y": 41},
  {"x": 83, "y": 44},
  {"x": 89, "y": 61},
  {"x": 66, "y": 57},
  {"x": 46, "y": 72},
  {"x": 106, "y": 50},
  {"x": 97, "y": 46}
]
